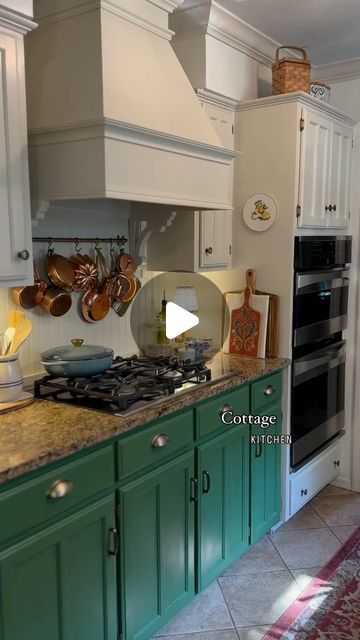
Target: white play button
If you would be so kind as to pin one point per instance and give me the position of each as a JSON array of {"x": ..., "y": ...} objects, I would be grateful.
[{"x": 178, "y": 320}]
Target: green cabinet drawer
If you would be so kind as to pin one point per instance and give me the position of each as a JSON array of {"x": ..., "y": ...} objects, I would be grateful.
[
  {"x": 31, "y": 503},
  {"x": 208, "y": 418},
  {"x": 266, "y": 392},
  {"x": 155, "y": 444}
]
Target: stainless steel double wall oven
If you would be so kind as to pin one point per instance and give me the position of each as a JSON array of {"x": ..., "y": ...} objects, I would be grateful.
[{"x": 321, "y": 286}]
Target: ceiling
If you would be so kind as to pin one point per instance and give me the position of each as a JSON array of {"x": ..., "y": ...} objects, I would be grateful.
[{"x": 329, "y": 29}]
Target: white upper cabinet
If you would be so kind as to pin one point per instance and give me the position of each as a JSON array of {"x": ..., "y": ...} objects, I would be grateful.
[
  {"x": 216, "y": 226},
  {"x": 340, "y": 176},
  {"x": 325, "y": 171},
  {"x": 15, "y": 238}
]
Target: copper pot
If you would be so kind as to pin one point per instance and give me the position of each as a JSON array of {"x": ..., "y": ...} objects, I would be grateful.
[
  {"x": 116, "y": 285},
  {"x": 56, "y": 301},
  {"x": 132, "y": 290},
  {"x": 30, "y": 296},
  {"x": 95, "y": 305},
  {"x": 59, "y": 270},
  {"x": 126, "y": 264},
  {"x": 27, "y": 297}
]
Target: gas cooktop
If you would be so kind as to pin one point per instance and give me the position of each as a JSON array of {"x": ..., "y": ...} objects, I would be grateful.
[{"x": 128, "y": 386}]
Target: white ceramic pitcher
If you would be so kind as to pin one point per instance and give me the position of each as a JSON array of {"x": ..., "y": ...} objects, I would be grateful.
[{"x": 11, "y": 379}]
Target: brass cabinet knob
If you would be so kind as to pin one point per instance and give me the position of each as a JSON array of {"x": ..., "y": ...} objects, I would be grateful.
[
  {"x": 60, "y": 489},
  {"x": 161, "y": 440}
]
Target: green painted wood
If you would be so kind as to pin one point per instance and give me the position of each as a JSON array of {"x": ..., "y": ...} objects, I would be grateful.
[
  {"x": 223, "y": 509},
  {"x": 259, "y": 398},
  {"x": 208, "y": 420},
  {"x": 265, "y": 465},
  {"x": 157, "y": 548},
  {"x": 136, "y": 452},
  {"x": 61, "y": 583},
  {"x": 89, "y": 475}
]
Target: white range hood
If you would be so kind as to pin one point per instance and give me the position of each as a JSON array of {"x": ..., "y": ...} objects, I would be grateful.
[{"x": 111, "y": 112}]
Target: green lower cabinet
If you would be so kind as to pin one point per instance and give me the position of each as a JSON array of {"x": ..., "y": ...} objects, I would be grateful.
[
  {"x": 61, "y": 583},
  {"x": 223, "y": 515},
  {"x": 265, "y": 472},
  {"x": 157, "y": 548}
]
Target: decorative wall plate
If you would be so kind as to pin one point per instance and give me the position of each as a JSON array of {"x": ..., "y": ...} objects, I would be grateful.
[{"x": 260, "y": 211}]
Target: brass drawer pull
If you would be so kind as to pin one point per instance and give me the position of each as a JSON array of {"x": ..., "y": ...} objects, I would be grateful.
[
  {"x": 60, "y": 489},
  {"x": 269, "y": 390},
  {"x": 159, "y": 441},
  {"x": 227, "y": 408}
]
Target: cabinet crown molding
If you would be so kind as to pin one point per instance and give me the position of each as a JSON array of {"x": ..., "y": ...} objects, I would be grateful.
[
  {"x": 216, "y": 99},
  {"x": 211, "y": 18},
  {"x": 151, "y": 15},
  {"x": 299, "y": 97},
  {"x": 16, "y": 21}
]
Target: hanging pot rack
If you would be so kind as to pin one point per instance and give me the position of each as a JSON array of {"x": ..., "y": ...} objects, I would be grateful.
[{"x": 118, "y": 240}]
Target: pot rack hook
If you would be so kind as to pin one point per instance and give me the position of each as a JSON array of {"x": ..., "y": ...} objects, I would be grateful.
[
  {"x": 121, "y": 241},
  {"x": 50, "y": 244},
  {"x": 77, "y": 245}
]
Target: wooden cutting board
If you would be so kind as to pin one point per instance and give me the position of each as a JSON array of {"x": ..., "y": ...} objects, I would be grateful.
[
  {"x": 272, "y": 334},
  {"x": 246, "y": 333},
  {"x": 24, "y": 400}
]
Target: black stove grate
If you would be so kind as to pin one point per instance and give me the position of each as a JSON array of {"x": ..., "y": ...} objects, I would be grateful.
[{"x": 129, "y": 385}]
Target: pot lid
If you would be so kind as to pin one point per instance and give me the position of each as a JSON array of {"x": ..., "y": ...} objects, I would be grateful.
[{"x": 76, "y": 351}]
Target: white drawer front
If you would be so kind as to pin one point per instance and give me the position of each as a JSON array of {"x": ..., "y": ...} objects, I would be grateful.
[{"x": 319, "y": 472}]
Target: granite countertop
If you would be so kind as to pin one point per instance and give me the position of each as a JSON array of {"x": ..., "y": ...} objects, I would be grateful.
[{"x": 46, "y": 431}]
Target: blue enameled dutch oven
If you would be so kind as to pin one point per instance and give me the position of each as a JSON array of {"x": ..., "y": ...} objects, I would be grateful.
[{"x": 77, "y": 360}]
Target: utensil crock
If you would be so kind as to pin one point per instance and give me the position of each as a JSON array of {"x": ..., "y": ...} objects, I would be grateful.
[{"x": 11, "y": 379}]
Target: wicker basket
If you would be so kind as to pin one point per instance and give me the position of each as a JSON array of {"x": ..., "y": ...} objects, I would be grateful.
[{"x": 291, "y": 74}]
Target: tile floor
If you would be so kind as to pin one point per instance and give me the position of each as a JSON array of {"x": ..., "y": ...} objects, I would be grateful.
[{"x": 251, "y": 595}]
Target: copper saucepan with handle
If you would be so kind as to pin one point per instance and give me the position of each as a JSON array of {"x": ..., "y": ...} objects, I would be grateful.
[
  {"x": 56, "y": 302},
  {"x": 59, "y": 270},
  {"x": 32, "y": 295}
]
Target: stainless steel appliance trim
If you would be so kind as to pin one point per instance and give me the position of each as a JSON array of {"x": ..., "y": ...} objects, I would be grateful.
[
  {"x": 318, "y": 362},
  {"x": 308, "y": 444},
  {"x": 331, "y": 279},
  {"x": 311, "y": 332}
]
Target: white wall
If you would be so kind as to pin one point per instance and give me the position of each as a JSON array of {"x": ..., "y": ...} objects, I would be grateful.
[{"x": 346, "y": 97}]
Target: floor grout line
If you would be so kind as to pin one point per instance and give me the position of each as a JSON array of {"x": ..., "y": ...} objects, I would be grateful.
[{"x": 227, "y": 606}]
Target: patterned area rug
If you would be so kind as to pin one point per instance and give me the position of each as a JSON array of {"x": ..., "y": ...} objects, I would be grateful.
[{"x": 329, "y": 607}]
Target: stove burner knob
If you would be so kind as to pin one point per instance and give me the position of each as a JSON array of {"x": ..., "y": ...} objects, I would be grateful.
[{"x": 159, "y": 441}]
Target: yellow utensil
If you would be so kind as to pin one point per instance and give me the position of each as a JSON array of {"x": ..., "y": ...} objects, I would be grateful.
[
  {"x": 22, "y": 332},
  {"x": 15, "y": 317}
]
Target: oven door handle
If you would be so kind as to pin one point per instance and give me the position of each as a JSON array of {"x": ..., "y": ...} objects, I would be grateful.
[
  {"x": 321, "y": 281},
  {"x": 319, "y": 362}
]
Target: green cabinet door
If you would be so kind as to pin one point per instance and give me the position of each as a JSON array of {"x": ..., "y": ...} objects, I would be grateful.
[
  {"x": 265, "y": 501},
  {"x": 61, "y": 583},
  {"x": 223, "y": 517},
  {"x": 157, "y": 547}
]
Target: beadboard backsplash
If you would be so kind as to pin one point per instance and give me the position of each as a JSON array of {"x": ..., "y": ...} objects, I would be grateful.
[
  {"x": 97, "y": 219},
  {"x": 104, "y": 219}
]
